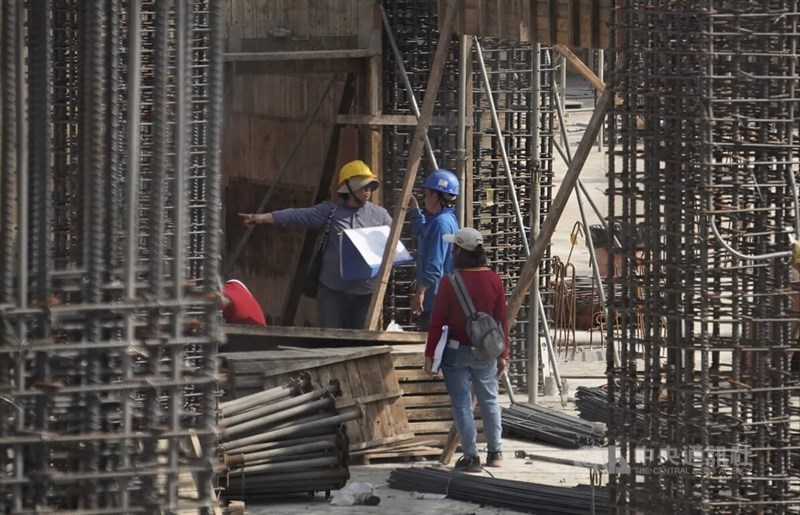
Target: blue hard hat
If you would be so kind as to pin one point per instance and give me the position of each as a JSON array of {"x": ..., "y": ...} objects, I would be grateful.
[{"x": 443, "y": 181}]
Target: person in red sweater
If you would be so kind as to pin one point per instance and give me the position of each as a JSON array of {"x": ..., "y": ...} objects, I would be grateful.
[
  {"x": 239, "y": 306},
  {"x": 459, "y": 365}
]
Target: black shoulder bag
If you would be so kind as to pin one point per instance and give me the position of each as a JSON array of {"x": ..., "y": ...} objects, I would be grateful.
[{"x": 311, "y": 283}]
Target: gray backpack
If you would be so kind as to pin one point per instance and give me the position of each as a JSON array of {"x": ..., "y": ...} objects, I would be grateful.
[{"x": 485, "y": 333}]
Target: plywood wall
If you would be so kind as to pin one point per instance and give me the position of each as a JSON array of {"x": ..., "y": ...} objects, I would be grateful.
[
  {"x": 265, "y": 114},
  {"x": 298, "y": 24},
  {"x": 575, "y": 23}
]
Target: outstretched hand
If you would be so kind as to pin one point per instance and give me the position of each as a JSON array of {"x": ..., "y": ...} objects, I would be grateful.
[{"x": 249, "y": 219}]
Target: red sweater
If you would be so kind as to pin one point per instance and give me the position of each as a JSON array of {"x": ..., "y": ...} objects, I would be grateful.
[
  {"x": 243, "y": 308},
  {"x": 488, "y": 295}
]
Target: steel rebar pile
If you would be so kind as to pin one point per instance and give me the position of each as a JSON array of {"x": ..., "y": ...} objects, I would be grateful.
[
  {"x": 282, "y": 441},
  {"x": 706, "y": 146},
  {"x": 502, "y": 493},
  {"x": 110, "y": 241},
  {"x": 532, "y": 422}
]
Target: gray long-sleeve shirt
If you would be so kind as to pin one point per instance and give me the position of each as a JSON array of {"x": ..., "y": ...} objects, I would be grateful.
[{"x": 368, "y": 215}]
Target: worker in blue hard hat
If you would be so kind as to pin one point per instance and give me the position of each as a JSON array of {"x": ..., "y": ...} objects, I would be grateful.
[{"x": 434, "y": 255}]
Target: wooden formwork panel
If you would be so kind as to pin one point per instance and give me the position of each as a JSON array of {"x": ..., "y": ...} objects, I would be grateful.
[
  {"x": 500, "y": 19},
  {"x": 365, "y": 375},
  {"x": 575, "y": 23}
]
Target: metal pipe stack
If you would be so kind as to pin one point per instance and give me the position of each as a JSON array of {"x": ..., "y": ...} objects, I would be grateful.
[
  {"x": 533, "y": 422},
  {"x": 703, "y": 184},
  {"x": 282, "y": 441},
  {"x": 109, "y": 249},
  {"x": 520, "y": 496}
]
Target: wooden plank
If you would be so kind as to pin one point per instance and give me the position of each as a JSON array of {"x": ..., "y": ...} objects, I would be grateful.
[
  {"x": 381, "y": 441},
  {"x": 557, "y": 207},
  {"x": 581, "y": 68},
  {"x": 417, "y": 374},
  {"x": 299, "y": 55},
  {"x": 381, "y": 396},
  {"x": 416, "y": 360},
  {"x": 424, "y": 388},
  {"x": 264, "y": 363},
  {"x": 393, "y": 119},
  {"x": 353, "y": 335},
  {"x": 418, "y": 415},
  {"x": 414, "y": 157},
  {"x": 417, "y": 401}
]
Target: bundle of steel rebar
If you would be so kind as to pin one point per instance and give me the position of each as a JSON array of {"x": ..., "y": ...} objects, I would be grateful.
[
  {"x": 533, "y": 422},
  {"x": 502, "y": 493},
  {"x": 592, "y": 404},
  {"x": 282, "y": 441}
]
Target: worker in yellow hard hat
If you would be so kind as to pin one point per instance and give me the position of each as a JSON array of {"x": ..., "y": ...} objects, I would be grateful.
[{"x": 342, "y": 304}]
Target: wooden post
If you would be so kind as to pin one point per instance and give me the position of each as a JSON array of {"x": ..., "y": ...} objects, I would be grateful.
[
  {"x": 557, "y": 207},
  {"x": 414, "y": 157},
  {"x": 595, "y": 81}
]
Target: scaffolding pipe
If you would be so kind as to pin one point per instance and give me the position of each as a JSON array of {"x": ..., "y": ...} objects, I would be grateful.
[
  {"x": 465, "y": 52},
  {"x": 534, "y": 336}
]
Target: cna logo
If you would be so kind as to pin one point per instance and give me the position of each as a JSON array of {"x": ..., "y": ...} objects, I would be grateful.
[{"x": 688, "y": 460}]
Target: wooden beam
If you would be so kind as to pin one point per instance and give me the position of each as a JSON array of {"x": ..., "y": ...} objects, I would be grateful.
[
  {"x": 321, "y": 66},
  {"x": 584, "y": 70},
  {"x": 557, "y": 207},
  {"x": 353, "y": 53},
  {"x": 393, "y": 119},
  {"x": 414, "y": 157}
]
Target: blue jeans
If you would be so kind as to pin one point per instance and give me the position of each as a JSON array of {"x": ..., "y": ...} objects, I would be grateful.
[
  {"x": 339, "y": 310},
  {"x": 460, "y": 368}
]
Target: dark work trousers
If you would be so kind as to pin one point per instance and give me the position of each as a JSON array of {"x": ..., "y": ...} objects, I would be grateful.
[{"x": 339, "y": 310}]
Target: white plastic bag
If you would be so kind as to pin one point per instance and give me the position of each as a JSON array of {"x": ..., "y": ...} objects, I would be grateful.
[{"x": 356, "y": 493}]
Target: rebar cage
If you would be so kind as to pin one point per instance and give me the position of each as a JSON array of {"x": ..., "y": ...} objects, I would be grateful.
[
  {"x": 110, "y": 231},
  {"x": 703, "y": 186}
]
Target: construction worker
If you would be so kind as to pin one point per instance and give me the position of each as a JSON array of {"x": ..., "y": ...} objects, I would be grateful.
[
  {"x": 434, "y": 255},
  {"x": 342, "y": 304}
]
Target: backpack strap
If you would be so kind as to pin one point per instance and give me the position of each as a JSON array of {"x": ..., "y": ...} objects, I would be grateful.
[{"x": 463, "y": 295}]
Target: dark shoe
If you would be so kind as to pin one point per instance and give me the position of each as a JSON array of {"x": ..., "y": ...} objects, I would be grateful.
[
  {"x": 494, "y": 459},
  {"x": 469, "y": 464}
]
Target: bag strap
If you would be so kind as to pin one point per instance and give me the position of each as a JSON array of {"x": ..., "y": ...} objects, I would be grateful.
[
  {"x": 324, "y": 243},
  {"x": 462, "y": 294}
]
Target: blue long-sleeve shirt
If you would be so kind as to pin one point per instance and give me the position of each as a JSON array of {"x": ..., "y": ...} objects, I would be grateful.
[
  {"x": 314, "y": 218},
  {"x": 434, "y": 255}
]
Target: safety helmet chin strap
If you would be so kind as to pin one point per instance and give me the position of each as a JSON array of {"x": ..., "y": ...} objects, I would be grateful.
[{"x": 353, "y": 194}]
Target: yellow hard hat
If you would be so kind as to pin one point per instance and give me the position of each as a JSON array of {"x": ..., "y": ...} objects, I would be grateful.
[{"x": 358, "y": 174}]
